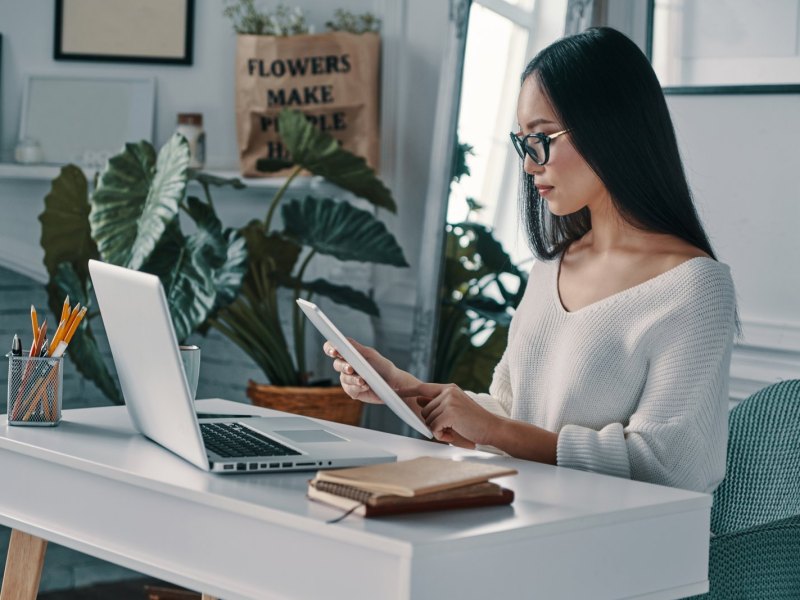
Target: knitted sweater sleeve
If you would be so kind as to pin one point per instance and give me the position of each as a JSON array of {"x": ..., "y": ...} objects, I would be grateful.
[
  {"x": 677, "y": 435},
  {"x": 498, "y": 400}
]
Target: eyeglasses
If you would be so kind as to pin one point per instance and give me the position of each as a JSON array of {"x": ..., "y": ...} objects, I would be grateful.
[{"x": 535, "y": 145}]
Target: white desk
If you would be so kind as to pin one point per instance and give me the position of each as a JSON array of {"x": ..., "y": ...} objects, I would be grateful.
[{"x": 94, "y": 485}]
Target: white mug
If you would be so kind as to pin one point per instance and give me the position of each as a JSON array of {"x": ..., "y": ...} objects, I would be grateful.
[{"x": 190, "y": 356}]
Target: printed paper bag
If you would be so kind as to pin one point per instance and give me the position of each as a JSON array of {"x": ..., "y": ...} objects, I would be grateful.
[{"x": 331, "y": 77}]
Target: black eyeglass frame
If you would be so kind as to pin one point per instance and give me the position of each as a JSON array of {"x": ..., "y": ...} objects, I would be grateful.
[{"x": 521, "y": 145}]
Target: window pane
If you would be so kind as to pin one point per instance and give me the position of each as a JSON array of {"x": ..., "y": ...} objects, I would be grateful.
[
  {"x": 493, "y": 61},
  {"x": 524, "y": 4}
]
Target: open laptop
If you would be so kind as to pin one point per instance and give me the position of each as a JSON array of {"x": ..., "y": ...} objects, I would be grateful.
[{"x": 142, "y": 339}]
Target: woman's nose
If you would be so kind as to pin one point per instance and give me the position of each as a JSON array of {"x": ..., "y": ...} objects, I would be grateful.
[{"x": 530, "y": 166}]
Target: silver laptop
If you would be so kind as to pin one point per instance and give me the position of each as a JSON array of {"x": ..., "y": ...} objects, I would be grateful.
[{"x": 139, "y": 329}]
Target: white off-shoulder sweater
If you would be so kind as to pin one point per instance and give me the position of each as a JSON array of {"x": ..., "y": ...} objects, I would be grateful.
[{"x": 635, "y": 384}]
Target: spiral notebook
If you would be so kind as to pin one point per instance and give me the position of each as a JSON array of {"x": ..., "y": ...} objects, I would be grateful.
[
  {"x": 421, "y": 484},
  {"x": 370, "y": 504}
]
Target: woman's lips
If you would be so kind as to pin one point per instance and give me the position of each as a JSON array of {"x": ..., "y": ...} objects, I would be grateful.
[{"x": 544, "y": 189}]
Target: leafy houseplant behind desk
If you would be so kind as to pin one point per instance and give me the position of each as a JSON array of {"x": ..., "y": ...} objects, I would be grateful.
[
  {"x": 279, "y": 260},
  {"x": 224, "y": 278}
]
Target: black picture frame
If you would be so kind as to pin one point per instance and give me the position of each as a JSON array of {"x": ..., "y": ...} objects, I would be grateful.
[
  {"x": 59, "y": 53},
  {"x": 756, "y": 88}
]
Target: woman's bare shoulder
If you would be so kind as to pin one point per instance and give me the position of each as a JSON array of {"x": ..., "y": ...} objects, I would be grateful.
[{"x": 679, "y": 252}]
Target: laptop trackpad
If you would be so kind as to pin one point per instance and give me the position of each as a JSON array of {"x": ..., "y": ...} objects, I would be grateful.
[{"x": 308, "y": 436}]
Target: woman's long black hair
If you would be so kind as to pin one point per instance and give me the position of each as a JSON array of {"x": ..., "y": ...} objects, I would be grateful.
[{"x": 604, "y": 90}]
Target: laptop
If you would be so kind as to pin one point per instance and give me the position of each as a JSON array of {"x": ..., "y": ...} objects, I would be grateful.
[{"x": 136, "y": 317}]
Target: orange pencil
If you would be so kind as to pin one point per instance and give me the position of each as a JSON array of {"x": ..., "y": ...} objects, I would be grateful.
[
  {"x": 63, "y": 326},
  {"x": 57, "y": 337},
  {"x": 72, "y": 316},
  {"x": 64, "y": 311},
  {"x": 39, "y": 339},
  {"x": 34, "y": 322},
  {"x": 74, "y": 325}
]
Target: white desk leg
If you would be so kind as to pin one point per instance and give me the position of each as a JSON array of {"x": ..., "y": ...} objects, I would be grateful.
[{"x": 23, "y": 567}]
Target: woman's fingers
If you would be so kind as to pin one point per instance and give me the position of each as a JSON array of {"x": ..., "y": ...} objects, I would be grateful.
[
  {"x": 429, "y": 390},
  {"x": 343, "y": 366}
]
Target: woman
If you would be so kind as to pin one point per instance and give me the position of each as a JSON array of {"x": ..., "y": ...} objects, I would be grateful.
[{"x": 618, "y": 355}]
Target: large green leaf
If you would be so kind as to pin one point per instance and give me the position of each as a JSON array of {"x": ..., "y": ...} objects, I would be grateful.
[
  {"x": 83, "y": 349},
  {"x": 270, "y": 251},
  {"x": 65, "y": 225},
  {"x": 201, "y": 272},
  {"x": 189, "y": 289},
  {"x": 483, "y": 250},
  {"x": 341, "y": 230},
  {"x": 222, "y": 252},
  {"x": 208, "y": 179},
  {"x": 342, "y": 294},
  {"x": 322, "y": 154},
  {"x": 136, "y": 198},
  {"x": 229, "y": 276}
]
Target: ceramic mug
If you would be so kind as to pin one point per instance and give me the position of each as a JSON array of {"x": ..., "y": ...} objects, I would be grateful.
[{"x": 190, "y": 357}]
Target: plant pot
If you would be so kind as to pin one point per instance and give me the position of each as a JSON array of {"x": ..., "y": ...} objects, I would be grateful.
[{"x": 329, "y": 403}]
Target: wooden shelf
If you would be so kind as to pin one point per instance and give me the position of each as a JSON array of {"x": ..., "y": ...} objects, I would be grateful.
[
  {"x": 34, "y": 172},
  {"x": 48, "y": 172}
]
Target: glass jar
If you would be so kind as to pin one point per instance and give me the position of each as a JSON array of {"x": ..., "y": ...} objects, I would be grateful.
[{"x": 190, "y": 126}]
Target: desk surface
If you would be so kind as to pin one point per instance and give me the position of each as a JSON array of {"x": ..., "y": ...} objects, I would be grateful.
[{"x": 96, "y": 485}]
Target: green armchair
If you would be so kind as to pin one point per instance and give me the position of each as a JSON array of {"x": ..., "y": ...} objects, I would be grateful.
[{"x": 755, "y": 551}]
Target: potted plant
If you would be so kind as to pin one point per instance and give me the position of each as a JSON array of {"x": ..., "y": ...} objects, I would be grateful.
[
  {"x": 481, "y": 289},
  {"x": 218, "y": 277},
  {"x": 333, "y": 76}
]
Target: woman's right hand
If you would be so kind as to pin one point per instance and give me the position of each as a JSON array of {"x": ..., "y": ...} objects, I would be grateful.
[{"x": 354, "y": 385}]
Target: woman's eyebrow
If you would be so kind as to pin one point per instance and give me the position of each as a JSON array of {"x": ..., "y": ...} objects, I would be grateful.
[{"x": 536, "y": 122}]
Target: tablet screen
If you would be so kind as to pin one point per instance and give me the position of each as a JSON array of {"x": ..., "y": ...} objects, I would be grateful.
[{"x": 382, "y": 389}]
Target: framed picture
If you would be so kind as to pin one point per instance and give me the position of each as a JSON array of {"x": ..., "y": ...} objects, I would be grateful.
[
  {"x": 86, "y": 120},
  {"x": 139, "y": 31},
  {"x": 725, "y": 46}
]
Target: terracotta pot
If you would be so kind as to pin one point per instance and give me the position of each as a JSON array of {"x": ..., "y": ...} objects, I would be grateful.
[{"x": 329, "y": 403}]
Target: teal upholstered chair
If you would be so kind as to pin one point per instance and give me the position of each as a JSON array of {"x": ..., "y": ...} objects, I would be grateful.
[{"x": 755, "y": 551}]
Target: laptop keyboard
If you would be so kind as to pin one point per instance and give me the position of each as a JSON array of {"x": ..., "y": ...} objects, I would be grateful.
[{"x": 231, "y": 440}]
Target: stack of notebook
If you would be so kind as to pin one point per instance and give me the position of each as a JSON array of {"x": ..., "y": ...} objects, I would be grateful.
[{"x": 417, "y": 485}]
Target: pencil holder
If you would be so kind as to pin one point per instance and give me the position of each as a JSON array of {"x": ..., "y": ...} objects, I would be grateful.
[{"x": 34, "y": 390}]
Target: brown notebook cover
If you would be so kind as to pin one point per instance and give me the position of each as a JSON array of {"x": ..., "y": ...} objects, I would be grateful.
[
  {"x": 367, "y": 504},
  {"x": 415, "y": 477}
]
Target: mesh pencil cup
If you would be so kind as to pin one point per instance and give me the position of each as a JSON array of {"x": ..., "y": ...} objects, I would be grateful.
[{"x": 34, "y": 390}]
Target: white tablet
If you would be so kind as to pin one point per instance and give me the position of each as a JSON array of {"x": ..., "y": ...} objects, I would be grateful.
[{"x": 382, "y": 389}]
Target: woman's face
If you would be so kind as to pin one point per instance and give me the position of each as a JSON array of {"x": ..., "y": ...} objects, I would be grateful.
[{"x": 566, "y": 181}]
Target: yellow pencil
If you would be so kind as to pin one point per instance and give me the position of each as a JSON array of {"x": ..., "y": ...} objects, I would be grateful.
[
  {"x": 74, "y": 325},
  {"x": 57, "y": 337},
  {"x": 72, "y": 316},
  {"x": 39, "y": 339},
  {"x": 34, "y": 322},
  {"x": 64, "y": 311}
]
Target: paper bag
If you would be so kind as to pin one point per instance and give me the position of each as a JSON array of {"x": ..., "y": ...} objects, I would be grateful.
[{"x": 331, "y": 77}]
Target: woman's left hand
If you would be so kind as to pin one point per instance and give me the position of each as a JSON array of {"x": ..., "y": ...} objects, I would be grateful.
[{"x": 451, "y": 414}]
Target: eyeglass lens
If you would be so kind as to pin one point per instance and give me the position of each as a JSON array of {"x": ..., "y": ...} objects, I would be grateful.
[{"x": 533, "y": 146}]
